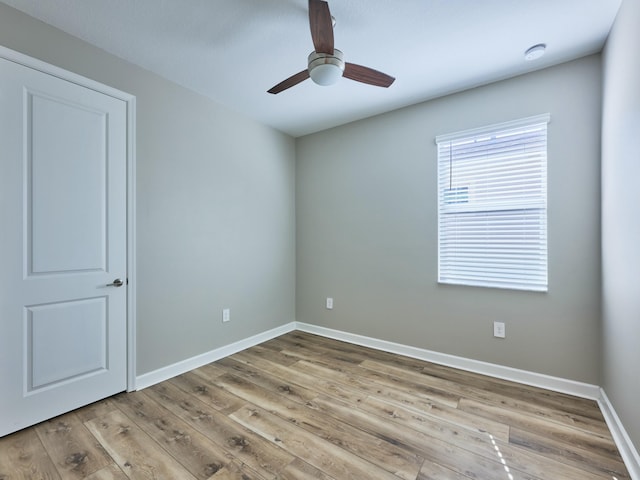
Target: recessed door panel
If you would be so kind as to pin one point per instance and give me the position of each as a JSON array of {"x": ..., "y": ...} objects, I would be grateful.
[
  {"x": 66, "y": 184},
  {"x": 65, "y": 340}
]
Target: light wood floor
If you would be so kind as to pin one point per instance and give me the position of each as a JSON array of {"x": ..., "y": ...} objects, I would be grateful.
[{"x": 306, "y": 407}]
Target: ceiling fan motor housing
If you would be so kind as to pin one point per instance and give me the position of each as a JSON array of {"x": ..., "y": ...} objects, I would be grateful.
[{"x": 324, "y": 68}]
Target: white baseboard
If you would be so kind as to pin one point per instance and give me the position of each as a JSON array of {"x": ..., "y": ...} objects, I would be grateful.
[
  {"x": 170, "y": 371},
  {"x": 556, "y": 384},
  {"x": 629, "y": 453}
]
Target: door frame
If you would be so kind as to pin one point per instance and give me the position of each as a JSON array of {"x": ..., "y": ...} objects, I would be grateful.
[{"x": 130, "y": 101}]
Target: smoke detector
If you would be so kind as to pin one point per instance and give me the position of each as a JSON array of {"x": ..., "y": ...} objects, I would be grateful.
[{"x": 535, "y": 52}]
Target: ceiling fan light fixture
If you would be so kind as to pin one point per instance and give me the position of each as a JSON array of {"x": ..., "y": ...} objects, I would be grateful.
[{"x": 326, "y": 69}]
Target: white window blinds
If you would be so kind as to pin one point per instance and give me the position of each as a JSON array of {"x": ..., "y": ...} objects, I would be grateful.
[{"x": 492, "y": 196}]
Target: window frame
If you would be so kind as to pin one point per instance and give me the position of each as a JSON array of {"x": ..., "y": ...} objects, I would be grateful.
[{"x": 537, "y": 281}]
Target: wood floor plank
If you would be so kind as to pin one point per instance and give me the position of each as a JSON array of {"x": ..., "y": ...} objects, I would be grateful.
[
  {"x": 74, "y": 451},
  {"x": 133, "y": 450},
  {"x": 210, "y": 370},
  {"x": 382, "y": 384},
  {"x": 23, "y": 457},
  {"x": 302, "y": 406},
  {"x": 433, "y": 471},
  {"x": 610, "y": 465},
  {"x": 379, "y": 452},
  {"x": 432, "y": 445},
  {"x": 111, "y": 472},
  {"x": 262, "y": 456},
  {"x": 426, "y": 406},
  {"x": 464, "y": 390},
  {"x": 268, "y": 381},
  {"x": 530, "y": 423},
  {"x": 301, "y": 470},
  {"x": 422, "y": 419},
  {"x": 197, "y": 386},
  {"x": 414, "y": 369},
  {"x": 483, "y": 443},
  {"x": 95, "y": 410},
  {"x": 236, "y": 471},
  {"x": 200, "y": 456},
  {"x": 274, "y": 355},
  {"x": 541, "y": 397},
  {"x": 323, "y": 455},
  {"x": 523, "y": 393},
  {"x": 328, "y": 387},
  {"x": 313, "y": 351}
]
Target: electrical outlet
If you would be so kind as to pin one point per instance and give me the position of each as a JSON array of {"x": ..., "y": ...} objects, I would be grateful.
[
  {"x": 499, "y": 330},
  {"x": 329, "y": 303},
  {"x": 226, "y": 315}
]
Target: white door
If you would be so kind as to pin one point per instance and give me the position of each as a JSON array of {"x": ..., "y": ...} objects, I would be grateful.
[{"x": 62, "y": 241}]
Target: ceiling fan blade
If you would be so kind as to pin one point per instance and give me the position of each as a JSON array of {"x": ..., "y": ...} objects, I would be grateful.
[
  {"x": 321, "y": 26},
  {"x": 367, "y": 75},
  {"x": 290, "y": 82}
]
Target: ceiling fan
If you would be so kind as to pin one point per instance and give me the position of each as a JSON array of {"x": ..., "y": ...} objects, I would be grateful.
[{"x": 326, "y": 64}]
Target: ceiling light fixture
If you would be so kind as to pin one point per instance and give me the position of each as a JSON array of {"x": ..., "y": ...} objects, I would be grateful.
[
  {"x": 535, "y": 52},
  {"x": 326, "y": 69}
]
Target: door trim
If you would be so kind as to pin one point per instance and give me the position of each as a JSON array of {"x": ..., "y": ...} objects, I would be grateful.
[{"x": 130, "y": 101}]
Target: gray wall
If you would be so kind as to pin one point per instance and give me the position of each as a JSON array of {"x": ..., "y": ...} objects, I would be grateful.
[
  {"x": 621, "y": 218},
  {"x": 366, "y": 208},
  {"x": 215, "y": 205}
]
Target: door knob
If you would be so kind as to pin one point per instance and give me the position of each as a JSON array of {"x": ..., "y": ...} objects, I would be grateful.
[{"x": 116, "y": 283}]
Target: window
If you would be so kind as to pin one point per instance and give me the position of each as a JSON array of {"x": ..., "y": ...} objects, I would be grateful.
[{"x": 492, "y": 215}]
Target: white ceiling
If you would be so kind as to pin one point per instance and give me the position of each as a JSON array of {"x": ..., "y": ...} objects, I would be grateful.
[{"x": 233, "y": 51}]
